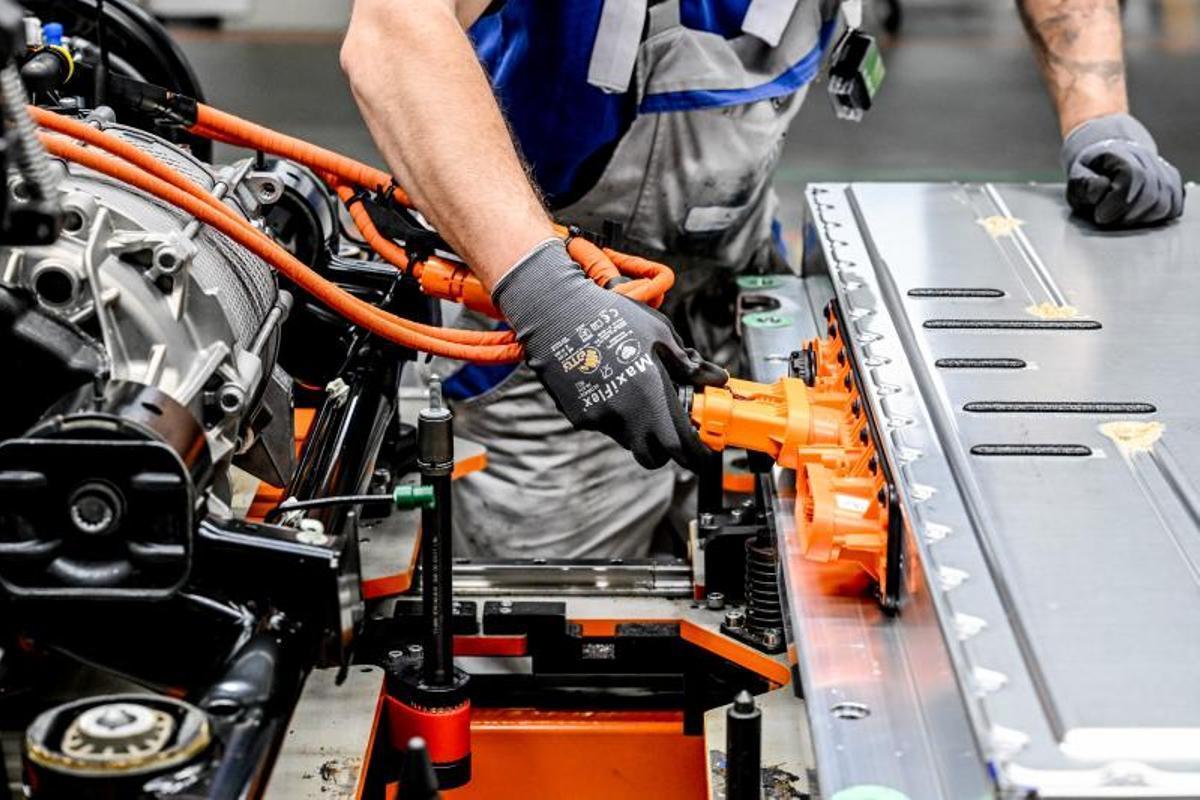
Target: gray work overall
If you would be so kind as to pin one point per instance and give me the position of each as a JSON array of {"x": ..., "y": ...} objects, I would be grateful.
[{"x": 691, "y": 187}]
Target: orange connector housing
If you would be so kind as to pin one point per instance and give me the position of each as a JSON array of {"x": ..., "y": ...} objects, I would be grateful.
[{"x": 821, "y": 431}]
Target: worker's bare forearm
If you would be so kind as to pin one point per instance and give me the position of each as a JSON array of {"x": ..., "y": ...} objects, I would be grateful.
[
  {"x": 1078, "y": 46},
  {"x": 432, "y": 113}
]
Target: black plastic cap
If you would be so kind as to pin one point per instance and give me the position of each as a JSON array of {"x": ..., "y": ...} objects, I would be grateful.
[
  {"x": 417, "y": 778},
  {"x": 744, "y": 707}
]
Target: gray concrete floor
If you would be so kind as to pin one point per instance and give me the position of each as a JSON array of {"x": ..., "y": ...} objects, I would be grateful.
[{"x": 962, "y": 101}]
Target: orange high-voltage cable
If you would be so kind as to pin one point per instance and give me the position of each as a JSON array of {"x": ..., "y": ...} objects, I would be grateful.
[
  {"x": 158, "y": 169},
  {"x": 438, "y": 277},
  {"x": 650, "y": 283},
  {"x": 471, "y": 347}
]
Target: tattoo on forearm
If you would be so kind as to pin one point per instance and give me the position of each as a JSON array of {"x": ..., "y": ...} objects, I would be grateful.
[{"x": 1057, "y": 27}]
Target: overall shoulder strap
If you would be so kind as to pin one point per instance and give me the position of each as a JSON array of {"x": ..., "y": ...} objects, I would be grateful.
[
  {"x": 767, "y": 19},
  {"x": 664, "y": 15},
  {"x": 615, "y": 50}
]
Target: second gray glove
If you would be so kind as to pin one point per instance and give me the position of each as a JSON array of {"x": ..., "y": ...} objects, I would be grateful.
[
  {"x": 1115, "y": 176},
  {"x": 610, "y": 363}
]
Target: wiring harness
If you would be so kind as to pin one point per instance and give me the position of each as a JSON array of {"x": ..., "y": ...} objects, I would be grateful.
[{"x": 76, "y": 141}]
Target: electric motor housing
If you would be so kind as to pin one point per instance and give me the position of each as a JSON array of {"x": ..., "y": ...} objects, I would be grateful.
[{"x": 162, "y": 337}]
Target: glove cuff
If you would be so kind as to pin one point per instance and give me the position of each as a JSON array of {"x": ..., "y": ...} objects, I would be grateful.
[{"x": 1119, "y": 127}]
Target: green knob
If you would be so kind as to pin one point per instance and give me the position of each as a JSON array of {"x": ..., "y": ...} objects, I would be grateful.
[{"x": 408, "y": 497}]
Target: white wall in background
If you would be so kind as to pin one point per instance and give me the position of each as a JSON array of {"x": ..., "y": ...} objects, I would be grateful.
[
  {"x": 295, "y": 15},
  {"x": 198, "y": 8},
  {"x": 290, "y": 15}
]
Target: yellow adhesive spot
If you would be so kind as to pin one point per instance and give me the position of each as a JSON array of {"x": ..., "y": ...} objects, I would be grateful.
[
  {"x": 1050, "y": 310},
  {"x": 1133, "y": 437},
  {"x": 998, "y": 226}
]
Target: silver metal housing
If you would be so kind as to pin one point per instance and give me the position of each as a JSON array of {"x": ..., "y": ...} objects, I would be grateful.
[{"x": 177, "y": 305}]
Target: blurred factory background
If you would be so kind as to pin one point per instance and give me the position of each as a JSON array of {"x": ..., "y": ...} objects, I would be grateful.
[{"x": 963, "y": 99}]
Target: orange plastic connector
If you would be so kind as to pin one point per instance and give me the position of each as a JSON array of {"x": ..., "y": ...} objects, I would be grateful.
[
  {"x": 778, "y": 419},
  {"x": 821, "y": 431}
]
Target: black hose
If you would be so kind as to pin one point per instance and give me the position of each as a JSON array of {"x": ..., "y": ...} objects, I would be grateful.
[{"x": 102, "y": 66}]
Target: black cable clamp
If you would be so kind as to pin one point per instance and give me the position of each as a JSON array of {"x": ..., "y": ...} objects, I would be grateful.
[{"x": 419, "y": 243}]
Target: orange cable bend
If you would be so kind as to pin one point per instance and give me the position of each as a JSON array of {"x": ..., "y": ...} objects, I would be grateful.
[{"x": 403, "y": 332}]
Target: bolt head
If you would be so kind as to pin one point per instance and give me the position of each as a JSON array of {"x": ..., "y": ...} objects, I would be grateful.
[{"x": 715, "y": 601}]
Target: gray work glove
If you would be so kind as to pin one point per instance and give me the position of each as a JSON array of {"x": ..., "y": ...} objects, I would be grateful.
[
  {"x": 1115, "y": 176},
  {"x": 610, "y": 363}
]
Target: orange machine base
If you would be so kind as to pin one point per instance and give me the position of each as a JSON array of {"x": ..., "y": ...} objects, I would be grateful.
[{"x": 525, "y": 754}]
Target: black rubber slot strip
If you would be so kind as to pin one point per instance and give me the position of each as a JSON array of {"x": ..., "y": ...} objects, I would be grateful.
[
  {"x": 1057, "y": 407},
  {"x": 954, "y": 292},
  {"x": 980, "y": 363},
  {"x": 1056, "y": 450},
  {"x": 1014, "y": 324}
]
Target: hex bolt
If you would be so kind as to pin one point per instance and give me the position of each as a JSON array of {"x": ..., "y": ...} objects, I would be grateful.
[
  {"x": 715, "y": 601},
  {"x": 735, "y": 618},
  {"x": 268, "y": 192},
  {"x": 167, "y": 260},
  {"x": 772, "y": 638},
  {"x": 231, "y": 399}
]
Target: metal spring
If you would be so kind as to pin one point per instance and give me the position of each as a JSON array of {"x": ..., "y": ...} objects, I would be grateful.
[{"x": 764, "y": 607}]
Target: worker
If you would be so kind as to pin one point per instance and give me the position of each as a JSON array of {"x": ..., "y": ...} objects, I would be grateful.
[{"x": 661, "y": 123}]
